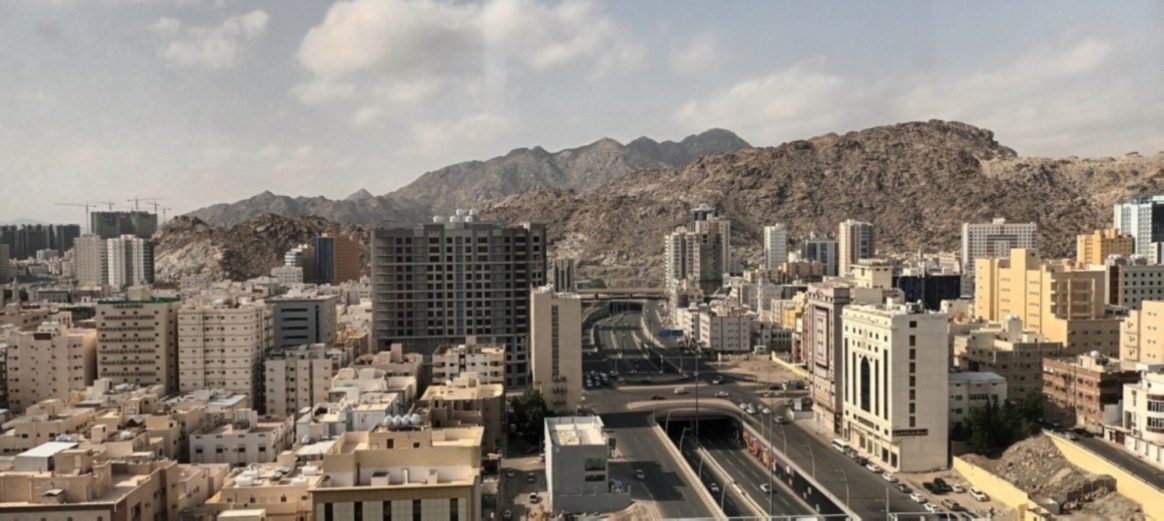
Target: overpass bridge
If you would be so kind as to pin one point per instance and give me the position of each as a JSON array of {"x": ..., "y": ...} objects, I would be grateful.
[{"x": 622, "y": 293}]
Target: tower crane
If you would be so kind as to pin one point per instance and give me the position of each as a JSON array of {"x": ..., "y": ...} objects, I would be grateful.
[
  {"x": 157, "y": 206},
  {"x": 110, "y": 204},
  {"x": 86, "y": 206},
  {"x": 138, "y": 200}
]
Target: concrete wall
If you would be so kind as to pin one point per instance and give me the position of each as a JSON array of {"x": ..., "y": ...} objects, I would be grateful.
[
  {"x": 798, "y": 371},
  {"x": 1128, "y": 485},
  {"x": 1000, "y": 490}
]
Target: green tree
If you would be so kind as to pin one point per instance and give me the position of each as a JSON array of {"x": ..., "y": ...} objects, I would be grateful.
[{"x": 529, "y": 415}]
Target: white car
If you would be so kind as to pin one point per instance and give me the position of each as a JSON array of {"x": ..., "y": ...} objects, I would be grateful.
[
  {"x": 722, "y": 394},
  {"x": 956, "y": 488},
  {"x": 766, "y": 410},
  {"x": 932, "y": 508},
  {"x": 978, "y": 494},
  {"x": 873, "y": 468},
  {"x": 889, "y": 477},
  {"x": 639, "y": 474},
  {"x": 917, "y": 498},
  {"x": 714, "y": 487},
  {"x": 765, "y": 488}
]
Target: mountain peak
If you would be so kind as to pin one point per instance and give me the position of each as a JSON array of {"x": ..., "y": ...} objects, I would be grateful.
[{"x": 360, "y": 195}]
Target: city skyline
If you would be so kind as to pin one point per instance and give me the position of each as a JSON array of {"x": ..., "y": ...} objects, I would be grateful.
[{"x": 204, "y": 102}]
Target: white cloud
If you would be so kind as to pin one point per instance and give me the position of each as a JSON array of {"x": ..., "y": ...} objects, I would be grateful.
[
  {"x": 474, "y": 132},
  {"x": 209, "y": 48},
  {"x": 1073, "y": 96},
  {"x": 388, "y": 54},
  {"x": 696, "y": 55}
]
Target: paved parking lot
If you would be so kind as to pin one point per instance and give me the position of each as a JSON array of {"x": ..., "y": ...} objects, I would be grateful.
[
  {"x": 915, "y": 480},
  {"x": 516, "y": 475}
]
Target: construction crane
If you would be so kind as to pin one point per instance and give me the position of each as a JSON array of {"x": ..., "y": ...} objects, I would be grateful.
[
  {"x": 164, "y": 210},
  {"x": 86, "y": 206},
  {"x": 138, "y": 200},
  {"x": 103, "y": 202},
  {"x": 157, "y": 206}
]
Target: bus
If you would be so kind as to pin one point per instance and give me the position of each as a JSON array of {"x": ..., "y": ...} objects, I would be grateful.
[{"x": 841, "y": 445}]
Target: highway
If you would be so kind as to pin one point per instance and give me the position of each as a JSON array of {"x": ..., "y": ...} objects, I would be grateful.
[{"x": 724, "y": 445}]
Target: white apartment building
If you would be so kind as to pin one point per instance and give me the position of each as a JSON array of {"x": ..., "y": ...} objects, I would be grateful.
[
  {"x": 726, "y": 330},
  {"x": 48, "y": 363},
  {"x": 89, "y": 261},
  {"x": 775, "y": 246},
  {"x": 298, "y": 377},
  {"x": 1143, "y": 218},
  {"x": 129, "y": 261},
  {"x": 137, "y": 341},
  {"x": 288, "y": 275},
  {"x": 488, "y": 361},
  {"x": 974, "y": 390},
  {"x": 820, "y": 250},
  {"x": 1131, "y": 281},
  {"x": 1143, "y": 417},
  {"x": 980, "y": 241},
  {"x": 577, "y": 477},
  {"x": 699, "y": 253},
  {"x": 556, "y": 347},
  {"x": 854, "y": 242},
  {"x": 245, "y": 439},
  {"x": 895, "y": 359},
  {"x": 221, "y": 346}
]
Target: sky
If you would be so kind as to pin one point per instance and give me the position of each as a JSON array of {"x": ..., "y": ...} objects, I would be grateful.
[{"x": 196, "y": 102}]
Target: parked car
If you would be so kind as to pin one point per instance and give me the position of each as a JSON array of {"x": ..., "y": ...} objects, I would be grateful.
[
  {"x": 873, "y": 467},
  {"x": 765, "y": 488},
  {"x": 542, "y": 457},
  {"x": 929, "y": 486},
  {"x": 917, "y": 498},
  {"x": 932, "y": 508},
  {"x": 531, "y": 478},
  {"x": 657, "y": 398},
  {"x": 766, "y": 410},
  {"x": 509, "y": 473},
  {"x": 941, "y": 484},
  {"x": 903, "y": 488},
  {"x": 781, "y": 420},
  {"x": 507, "y": 514},
  {"x": 639, "y": 474},
  {"x": 956, "y": 488},
  {"x": 717, "y": 380},
  {"x": 978, "y": 494},
  {"x": 889, "y": 477},
  {"x": 722, "y": 394},
  {"x": 950, "y": 504}
]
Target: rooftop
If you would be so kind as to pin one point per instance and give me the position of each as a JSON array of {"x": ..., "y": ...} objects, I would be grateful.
[
  {"x": 576, "y": 430},
  {"x": 47, "y": 450},
  {"x": 975, "y": 376}
]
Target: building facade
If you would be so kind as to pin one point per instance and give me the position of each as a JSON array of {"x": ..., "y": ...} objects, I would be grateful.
[
  {"x": 893, "y": 353},
  {"x": 304, "y": 320},
  {"x": 137, "y": 341},
  {"x": 129, "y": 261},
  {"x": 1143, "y": 218},
  {"x": 577, "y": 475},
  {"x": 993, "y": 240},
  {"x": 1078, "y": 390},
  {"x": 974, "y": 390},
  {"x": 775, "y": 246},
  {"x": 1009, "y": 351},
  {"x": 337, "y": 260},
  {"x": 297, "y": 377},
  {"x": 820, "y": 250},
  {"x": 438, "y": 283},
  {"x": 109, "y": 225},
  {"x": 487, "y": 361},
  {"x": 1131, "y": 281},
  {"x": 699, "y": 254},
  {"x": 221, "y": 346},
  {"x": 1142, "y": 334},
  {"x": 565, "y": 278},
  {"x": 854, "y": 242},
  {"x": 48, "y": 363},
  {"x": 556, "y": 342},
  {"x": 1143, "y": 418},
  {"x": 821, "y": 338},
  {"x": 90, "y": 261},
  {"x": 1095, "y": 247}
]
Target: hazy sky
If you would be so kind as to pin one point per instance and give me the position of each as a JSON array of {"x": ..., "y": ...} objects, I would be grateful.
[{"x": 204, "y": 101}]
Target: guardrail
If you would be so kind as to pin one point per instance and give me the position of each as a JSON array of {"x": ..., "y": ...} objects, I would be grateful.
[
  {"x": 697, "y": 484},
  {"x": 751, "y": 504}
]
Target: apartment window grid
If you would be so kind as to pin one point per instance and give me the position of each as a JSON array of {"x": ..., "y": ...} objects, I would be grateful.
[{"x": 554, "y": 344}]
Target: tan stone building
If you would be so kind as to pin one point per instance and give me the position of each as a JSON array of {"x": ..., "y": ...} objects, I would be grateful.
[
  {"x": 137, "y": 341},
  {"x": 298, "y": 377},
  {"x": 466, "y": 401},
  {"x": 48, "y": 363},
  {"x": 1142, "y": 334},
  {"x": 1095, "y": 247},
  {"x": 1059, "y": 300},
  {"x": 1077, "y": 389},
  {"x": 221, "y": 346},
  {"x": 556, "y": 347},
  {"x": 405, "y": 472},
  {"x": 1008, "y": 350},
  {"x": 394, "y": 362},
  {"x": 487, "y": 361}
]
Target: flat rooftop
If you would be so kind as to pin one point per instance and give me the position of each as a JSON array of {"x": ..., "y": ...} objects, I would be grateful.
[
  {"x": 576, "y": 431},
  {"x": 975, "y": 376}
]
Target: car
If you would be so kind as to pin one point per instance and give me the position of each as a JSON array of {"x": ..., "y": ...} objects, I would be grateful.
[
  {"x": 657, "y": 398},
  {"x": 639, "y": 474},
  {"x": 889, "y": 477},
  {"x": 765, "y": 410},
  {"x": 714, "y": 487},
  {"x": 509, "y": 473},
  {"x": 717, "y": 380},
  {"x": 941, "y": 484},
  {"x": 744, "y": 405},
  {"x": 680, "y": 390},
  {"x": 950, "y": 504},
  {"x": 931, "y": 508},
  {"x": 903, "y": 488},
  {"x": 531, "y": 478},
  {"x": 978, "y": 494},
  {"x": 929, "y": 486},
  {"x": 956, "y": 488},
  {"x": 507, "y": 514},
  {"x": 917, "y": 498},
  {"x": 765, "y": 488},
  {"x": 873, "y": 467},
  {"x": 781, "y": 421},
  {"x": 722, "y": 394},
  {"x": 613, "y": 372},
  {"x": 533, "y": 497},
  {"x": 775, "y": 387}
]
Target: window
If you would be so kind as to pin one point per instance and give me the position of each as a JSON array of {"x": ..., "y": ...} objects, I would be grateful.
[
  {"x": 866, "y": 383},
  {"x": 416, "y": 511},
  {"x": 912, "y": 340}
]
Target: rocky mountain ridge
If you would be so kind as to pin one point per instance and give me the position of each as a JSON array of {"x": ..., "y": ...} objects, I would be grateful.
[{"x": 476, "y": 183}]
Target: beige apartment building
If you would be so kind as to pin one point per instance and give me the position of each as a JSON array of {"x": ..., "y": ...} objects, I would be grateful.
[
  {"x": 221, "y": 346},
  {"x": 1142, "y": 334},
  {"x": 1131, "y": 281},
  {"x": 1095, "y": 247},
  {"x": 41, "y": 423},
  {"x": 281, "y": 490},
  {"x": 245, "y": 438},
  {"x": 48, "y": 363},
  {"x": 854, "y": 242},
  {"x": 893, "y": 353},
  {"x": 394, "y": 362},
  {"x": 137, "y": 341},
  {"x": 62, "y": 481},
  {"x": 1077, "y": 390},
  {"x": 402, "y": 472},
  {"x": 1059, "y": 300},
  {"x": 556, "y": 347},
  {"x": 487, "y": 361},
  {"x": 1007, "y": 350},
  {"x": 1143, "y": 418},
  {"x": 298, "y": 377},
  {"x": 466, "y": 401}
]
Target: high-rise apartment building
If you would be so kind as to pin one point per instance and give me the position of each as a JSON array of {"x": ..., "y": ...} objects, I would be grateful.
[
  {"x": 440, "y": 282},
  {"x": 109, "y": 225},
  {"x": 221, "y": 346},
  {"x": 564, "y": 276},
  {"x": 1059, "y": 300},
  {"x": 137, "y": 341},
  {"x": 556, "y": 348},
  {"x": 303, "y": 320},
  {"x": 1142, "y": 334},
  {"x": 5, "y": 266},
  {"x": 895, "y": 360},
  {"x": 1095, "y": 247},
  {"x": 337, "y": 259},
  {"x": 1131, "y": 281},
  {"x": 822, "y": 250},
  {"x": 996, "y": 239},
  {"x": 49, "y": 363},
  {"x": 1143, "y": 218},
  {"x": 90, "y": 261},
  {"x": 854, "y": 242},
  {"x": 297, "y": 377},
  {"x": 25, "y": 240},
  {"x": 129, "y": 261},
  {"x": 1008, "y": 351},
  {"x": 775, "y": 246},
  {"x": 700, "y": 253},
  {"x": 487, "y": 361}
]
